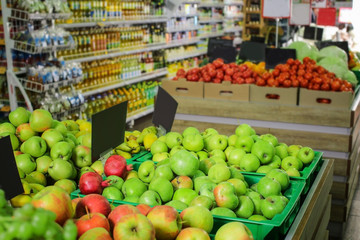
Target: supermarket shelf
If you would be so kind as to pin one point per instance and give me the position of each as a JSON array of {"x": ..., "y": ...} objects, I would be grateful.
[
  {"x": 106, "y": 87},
  {"x": 40, "y": 88},
  {"x": 25, "y": 16},
  {"x": 193, "y": 28},
  {"x": 253, "y": 25},
  {"x": 234, "y": 3},
  {"x": 182, "y": 42},
  {"x": 210, "y": 20},
  {"x": 179, "y": 15},
  {"x": 196, "y": 54},
  {"x": 190, "y": 2},
  {"x": 233, "y": 29},
  {"x": 253, "y": 12},
  {"x": 211, "y": 4},
  {"x": 151, "y": 19},
  {"x": 211, "y": 35},
  {"x": 32, "y": 49},
  {"x": 62, "y": 115},
  {"x": 140, "y": 113},
  {"x": 239, "y": 16}
]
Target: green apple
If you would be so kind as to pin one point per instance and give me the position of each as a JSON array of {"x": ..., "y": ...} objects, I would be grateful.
[
  {"x": 177, "y": 204},
  {"x": 200, "y": 181},
  {"x": 209, "y": 132},
  {"x": 173, "y": 139},
  {"x": 98, "y": 167},
  {"x": 225, "y": 195},
  {"x": 193, "y": 142},
  {"x": 86, "y": 141},
  {"x": 113, "y": 193},
  {"x": 293, "y": 172},
  {"x": 235, "y": 157},
  {"x": 281, "y": 151},
  {"x": 146, "y": 171},
  {"x": 35, "y": 146},
  {"x": 132, "y": 199},
  {"x": 306, "y": 155},
  {"x": 293, "y": 150},
  {"x": 268, "y": 187},
  {"x": 232, "y": 140},
  {"x": 190, "y": 131},
  {"x": 218, "y": 160},
  {"x": 245, "y": 208},
  {"x": 219, "y": 173},
  {"x": 264, "y": 151},
  {"x": 59, "y": 126},
  {"x": 165, "y": 172},
  {"x": 224, "y": 212},
  {"x": 81, "y": 156},
  {"x": 217, "y": 142},
  {"x": 19, "y": 116},
  {"x": 228, "y": 150},
  {"x": 40, "y": 120},
  {"x": 275, "y": 162},
  {"x": 150, "y": 198},
  {"x": 233, "y": 230},
  {"x": 236, "y": 173},
  {"x": 207, "y": 189},
  {"x": 197, "y": 174},
  {"x": 257, "y": 218},
  {"x": 217, "y": 153},
  {"x": 158, "y": 147},
  {"x": 163, "y": 162},
  {"x": 68, "y": 185},
  {"x": 203, "y": 201},
  {"x": 26, "y": 163},
  {"x": 281, "y": 176},
  {"x": 43, "y": 163},
  {"x": 85, "y": 170},
  {"x": 115, "y": 181},
  {"x": 71, "y": 137},
  {"x": 60, "y": 169},
  {"x": 244, "y": 142},
  {"x": 256, "y": 138},
  {"x": 254, "y": 187},
  {"x": 36, "y": 177},
  {"x": 52, "y": 136},
  {"x": 184, "y": 163},
  {"x": 291, "y": 161},
  {"x": 185, "y": 195},
  {"x": 256, "y": 199},
  {"x": 175, "y": 149},
  {"x": 7, "y": 128},
  {"x": 271, "y": 206},
  {"x": 74, "y": 171},
  {"x": 270, "y": 138},
  {"x": 206, "y": 164},
  {"x": 163, "y": 187},
  {"x": 244, "y": 130},
  {"x": 133, "y": 187},
  {"x": 161, "y": 156},
  {"x": 62, "y": 150},
  {"x": 131, "y": 174},
  {"x": 239, "y": 185},
  {"x": 202, "y": 155},
  {"x": 264, "y": 169},
  {"x": 197, "y": 217},
  {"x": 249, "y": 163},
  {"x": 24, "y": 132},
  {"x": 182, "y": 182},
  {"x": 71, "y": 125},
  {"x": 13, "y": 139}
]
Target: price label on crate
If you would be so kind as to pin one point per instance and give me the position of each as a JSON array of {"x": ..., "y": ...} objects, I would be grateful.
[
  {"x": 164, "y": 110},
  {"x": 275, "y": 56},
  {"x": 10, "y": 180},
  {"x": 108, "y": 130}
]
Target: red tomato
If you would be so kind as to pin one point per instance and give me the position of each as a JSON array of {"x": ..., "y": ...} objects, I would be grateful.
[
  {"x": 220, "y": 75},
  {"x": 304, "y": 83},
  {"x": 254, "y": 75},
  {"x": 212, "y": 72},
  {"x": 290, "y": 61},
  {"x": 276, "y": 72},
  {"x": 250, "y": 80},
  {"x": 220, "y": 60},
  {"x": 227, "y": 78},
  {"x": 347, "y": 84},
  {"x": 217, "y": 80},
  {"x": 236, "y": 75},
  {"x": 266, "y": 75},
  {"x": 317, "y": 80},
  {"x": 225, "y": 66},
  {"x": 247, "y": 73},
  {"x": 301, "y": 72},
  {"x": 260, "y": 81},
  {"x": 325, "y": 87},
  {"x": 180, "y": 72},
  {"x": 287, "y": 83},
  {"x": 270, "y": 82},
  {"x": 295, "y": 83},
  {"x": 306, "y": 60},
  {"x": 233, "y": 65},
  {"x": 218, "y": 64},
  {"x": 229, "y": 71},
  {"x": 308, "y": 76},
  {"x": 297, "y": 62},
  {"x": 175, "y": 78},
  {"x": 207, "y": 78},
  {"x": 243, "y": 67},
  {"x": 294, "y": 67},
  {"x": 320, "y": 70},
  {"x": 316, "y": 86}
]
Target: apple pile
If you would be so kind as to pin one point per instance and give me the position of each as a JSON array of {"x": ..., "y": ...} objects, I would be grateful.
[
  {"x": 218, "y": 71},
  {"x": 48, "y": 152},
  {"x": 244, "y": 150},
  {"x": 306, "y": 75}
]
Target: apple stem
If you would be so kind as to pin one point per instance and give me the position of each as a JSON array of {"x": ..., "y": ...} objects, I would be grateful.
[{"x": 87, "y": 212}]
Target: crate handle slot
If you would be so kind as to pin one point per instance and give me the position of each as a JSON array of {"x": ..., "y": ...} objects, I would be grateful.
[
  {"x": 182, "y": 90},
  {"x": 323, "y": 100},
  {"x": 272, "y": 96},
  {"x": 226, "y": 93}
]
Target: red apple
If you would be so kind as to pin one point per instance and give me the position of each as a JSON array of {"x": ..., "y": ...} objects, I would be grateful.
[
  {"x": 143, "y": 208},
  {"x": 166, "y": 221},
  {"x": 193, "y": 234},
  {"x": 134, "y": 227},
  {"x": 55, "y": 199},
  {"x": 94, "y": 203},
  {"x": 74, "y": 203},
  {"x": 121, "y": 211},
  {"x": 96, "y": 234},
  {"x": 182, "y": 182},
  {"x": 90, "y": 221}
]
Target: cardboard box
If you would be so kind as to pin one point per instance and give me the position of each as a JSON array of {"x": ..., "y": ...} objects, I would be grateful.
[
  {"x": 227, "y": 91},
  {"x": 328, "y": 99},
  {"x": 275, "y": 95},
  {"x": 183, "y": 88}
]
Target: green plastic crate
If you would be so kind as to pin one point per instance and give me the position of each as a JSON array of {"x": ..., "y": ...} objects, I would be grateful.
[
  {"x": 357, "y": 74},
  {"x": 138, "y": 155},
  {"x": 308, "y": 174},
  {"x": 146, "y": 156},
  {"x": 271, "y": 229}
]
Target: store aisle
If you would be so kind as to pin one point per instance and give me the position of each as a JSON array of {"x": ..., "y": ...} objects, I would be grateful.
[{"x": 352, "y": 231}]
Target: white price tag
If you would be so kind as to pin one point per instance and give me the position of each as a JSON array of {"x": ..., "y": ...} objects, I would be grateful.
[{"x": 276, "y": 8}]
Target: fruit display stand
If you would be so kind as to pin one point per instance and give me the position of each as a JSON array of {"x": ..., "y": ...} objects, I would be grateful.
[{"x": 333, "y": 131}]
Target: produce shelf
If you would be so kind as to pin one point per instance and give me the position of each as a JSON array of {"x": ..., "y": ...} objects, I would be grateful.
[
  {"x": 40, "y": 88},
  {"x": 32, "y": 49},
  {"x": 106, "y": 87},
  {"x": 126, "y": 21},
  {"x": 192, "y": 28},
  {"x": 26, "y": 16},
  {"x": 63, "y": 114},
  {"x": 196, "y": 54}
]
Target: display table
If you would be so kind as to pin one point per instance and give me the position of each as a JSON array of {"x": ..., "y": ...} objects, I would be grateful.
[{"x": 333, "y": 131}]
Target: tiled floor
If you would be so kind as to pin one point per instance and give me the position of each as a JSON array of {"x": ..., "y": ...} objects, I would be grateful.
[{"x": 352, "y": 231}]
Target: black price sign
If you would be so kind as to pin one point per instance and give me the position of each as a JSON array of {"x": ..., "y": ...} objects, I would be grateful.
[
  {"x": 252, "y": 51},
  {"x": 275, "y": 56}
]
